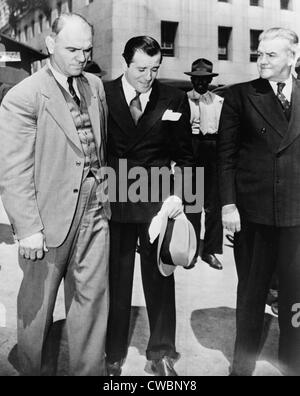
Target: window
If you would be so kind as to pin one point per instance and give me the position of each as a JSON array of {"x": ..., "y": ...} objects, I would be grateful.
[
  {"x": 224, "y": 43},
  {"x": 49, "y": 19},
  {"x": 168, "y": 36},
  {"x": 87, "y": 2},
  {"x": 41, "y": 23},
  {"x": 26, "y": 32},
  {"x": 59, "y": 6},
  {"x": 223, "y": 1},
  {"x": 32, "y": 28},
  {"x": 70, "y": 5},
  {"x": 255, "y": 3},
  {"x": 254, "y": 36},
  {"x": 286, "y": 4}
]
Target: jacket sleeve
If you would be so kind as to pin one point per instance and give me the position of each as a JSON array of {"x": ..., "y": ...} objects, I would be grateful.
[
  {"x": 18, "y": 126},
  {"x": 228, "y": 147}
]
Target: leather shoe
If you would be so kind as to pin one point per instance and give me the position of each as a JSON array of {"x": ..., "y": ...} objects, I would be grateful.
[
  {"x": 164, "y": 367},
  {"x": 212, "y": 260},
  {"x": 114, "y": 369}
]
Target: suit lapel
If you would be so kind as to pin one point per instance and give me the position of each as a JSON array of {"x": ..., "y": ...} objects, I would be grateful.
[
  {"x": 266, "y": 103},
  {"x": 118, "y": 108},
  {"x": 294, "y": 125},
  {"x": 58, "y": 108},
  {"x": 154, "y": 111}
]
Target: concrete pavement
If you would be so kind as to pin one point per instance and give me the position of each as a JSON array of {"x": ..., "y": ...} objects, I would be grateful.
[{"x": 205, "y": 318}]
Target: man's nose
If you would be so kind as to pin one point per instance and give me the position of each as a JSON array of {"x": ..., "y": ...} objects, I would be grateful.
[
  {"x": 81, "y": 56},
  {"x": 148, "y": 75}
]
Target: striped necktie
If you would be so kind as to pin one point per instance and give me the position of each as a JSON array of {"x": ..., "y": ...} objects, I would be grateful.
[
  {"x": 135, "y": 107},
  {"x": 282, "y": 99}
]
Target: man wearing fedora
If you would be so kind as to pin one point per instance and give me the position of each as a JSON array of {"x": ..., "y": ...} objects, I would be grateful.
[{"x": 205, "y": 114}]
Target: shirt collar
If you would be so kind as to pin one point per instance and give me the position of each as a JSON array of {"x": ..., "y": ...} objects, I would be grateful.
[
  {"x": 287, "y": 89},
  {"x": 130, "y": 93},
  {"x": 62, "y": 79}
]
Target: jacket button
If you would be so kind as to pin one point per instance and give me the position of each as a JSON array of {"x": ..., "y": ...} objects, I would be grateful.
[
  {"x": 264, "y": 130},
  {"x": 75, "y": 191},
  {"x": 78, "y": 163}
]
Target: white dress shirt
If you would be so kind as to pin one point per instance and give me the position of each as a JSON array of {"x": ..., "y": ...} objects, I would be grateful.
[
  {"x": 287, "y": 90},
  {"x": 62, "y": 80},
  {"x": 205, "y": 112},
  {"x": 130, "y": 93}
]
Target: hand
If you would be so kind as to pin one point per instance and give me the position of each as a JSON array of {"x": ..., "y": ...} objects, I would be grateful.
[
  {"x": 173, "y": 206},
  {"x": 231, "y": 218},
  {"x": 33, "y": 247}
]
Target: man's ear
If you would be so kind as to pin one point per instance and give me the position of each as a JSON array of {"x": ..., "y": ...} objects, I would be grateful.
[{"x": 50, "y": 44}]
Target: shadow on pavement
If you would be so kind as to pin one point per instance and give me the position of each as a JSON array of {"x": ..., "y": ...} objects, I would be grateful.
[
  {"x": 214, "y": 329},
  {"x": 6, "y": 235}
]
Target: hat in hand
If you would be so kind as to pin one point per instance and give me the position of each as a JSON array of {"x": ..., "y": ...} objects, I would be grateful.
[
  {"x": 177, "y": 244},
  {"x": 202, "y": 68}
]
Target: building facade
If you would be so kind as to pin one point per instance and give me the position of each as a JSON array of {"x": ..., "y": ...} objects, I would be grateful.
[{"x": 224, "y": 31}]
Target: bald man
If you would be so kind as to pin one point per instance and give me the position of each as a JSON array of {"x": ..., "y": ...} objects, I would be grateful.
[{"x": 53, "y": 143}]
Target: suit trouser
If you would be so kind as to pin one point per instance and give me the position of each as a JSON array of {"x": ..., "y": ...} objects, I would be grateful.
[
  {"x": 205, "y": 154},
  {"x": 82, "y": 260},
  {"x": 159, "y": 294},
  {"x": 259, "y": 250}
]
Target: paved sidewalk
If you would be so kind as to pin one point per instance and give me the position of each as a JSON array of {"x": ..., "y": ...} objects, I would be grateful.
[{"x": 205, "y": 318}]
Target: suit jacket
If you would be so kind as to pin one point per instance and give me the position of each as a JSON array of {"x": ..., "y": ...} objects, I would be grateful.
[
  {"x": 41, "y": 159},
  {"x": 152, "y": 143},
  {"x": 259, "y": 154}
]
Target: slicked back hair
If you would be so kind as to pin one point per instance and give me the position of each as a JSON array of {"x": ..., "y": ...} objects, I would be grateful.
[
  {"x": 282, "y": 33},
  {"x": 145, "y": 44}
]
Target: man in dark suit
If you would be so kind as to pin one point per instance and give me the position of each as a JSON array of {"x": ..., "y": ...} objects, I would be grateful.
[
  {"x": 259, "y": 175},
  {"x": 148, "y": 127}
]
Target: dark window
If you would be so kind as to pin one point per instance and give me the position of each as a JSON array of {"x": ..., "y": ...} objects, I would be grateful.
[
  {"x": 224, "y": 43},
  {"x": 223, "y": 1},
  {"x": 32, "y": 28},
  {"x": 41, "y": 23},
  {"x": 254, "y": 36},
  {"x": 59, "y": 6},
  {"x": 168, "y": 36},
  {"x": 255, "y": 3},
  {"x": 26, "y": 32},
  {"x": 286, "y": 4},
  {"x": 70, "y": 5}
]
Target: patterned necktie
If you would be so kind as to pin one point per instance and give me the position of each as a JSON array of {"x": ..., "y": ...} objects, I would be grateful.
[
  {"x": 72, "y": 91},
  {"x": 136, "y": 108},
  {"x": 282, "y": 99}
]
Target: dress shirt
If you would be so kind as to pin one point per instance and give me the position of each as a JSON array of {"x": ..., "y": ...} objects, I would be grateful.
[
  {"x": 287, "y": 90},
  {"x": 205, "y": 112},
  {"x": 130, "y": 93},
  {"x": 62, "y": 80}
]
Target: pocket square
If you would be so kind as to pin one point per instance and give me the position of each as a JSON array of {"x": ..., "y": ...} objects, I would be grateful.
[{"x": 171, "y": 115}]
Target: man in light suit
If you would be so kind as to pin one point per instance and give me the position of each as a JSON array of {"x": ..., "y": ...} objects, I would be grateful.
[
  {"x": 259, "y": 175},
  {"x": 148, "y": 127},
  {"x": 53, "y": 127}
]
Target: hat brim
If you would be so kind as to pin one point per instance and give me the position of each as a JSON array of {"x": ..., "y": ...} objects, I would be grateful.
[
  {"x": 167, "y": 269},
  {"x": 201, "y": 74}
]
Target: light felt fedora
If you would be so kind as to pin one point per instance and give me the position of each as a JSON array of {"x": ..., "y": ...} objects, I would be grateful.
[
  {"x": 177, "y": 244},
  {"x": 202, "y": 68}
]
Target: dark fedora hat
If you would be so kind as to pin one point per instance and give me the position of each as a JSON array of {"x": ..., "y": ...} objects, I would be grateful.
[
  {"x": 177, "y": 244},
  {"x": 94, "y": 68},
  {"x": 202, "y": 68}
]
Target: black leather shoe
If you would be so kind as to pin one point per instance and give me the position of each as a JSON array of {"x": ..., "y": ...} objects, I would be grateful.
[
  {"x": 164, "y": 367},
  {"x": 114, "y": 369},
  {"x": 212, "y": 260}
]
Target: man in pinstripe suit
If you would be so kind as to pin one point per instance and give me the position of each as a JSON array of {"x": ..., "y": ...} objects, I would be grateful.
[{"x": 259, "y": 176}]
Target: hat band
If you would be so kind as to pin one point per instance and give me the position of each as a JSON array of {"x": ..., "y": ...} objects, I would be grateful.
[{"x": 165, "y": 254}]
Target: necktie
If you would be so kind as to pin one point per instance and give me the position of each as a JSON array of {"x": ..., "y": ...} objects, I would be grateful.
[
  {"x": 282, "y": 99},
  {"x": 136, "y": 108},
  {"x": 72, "y": 91}
]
